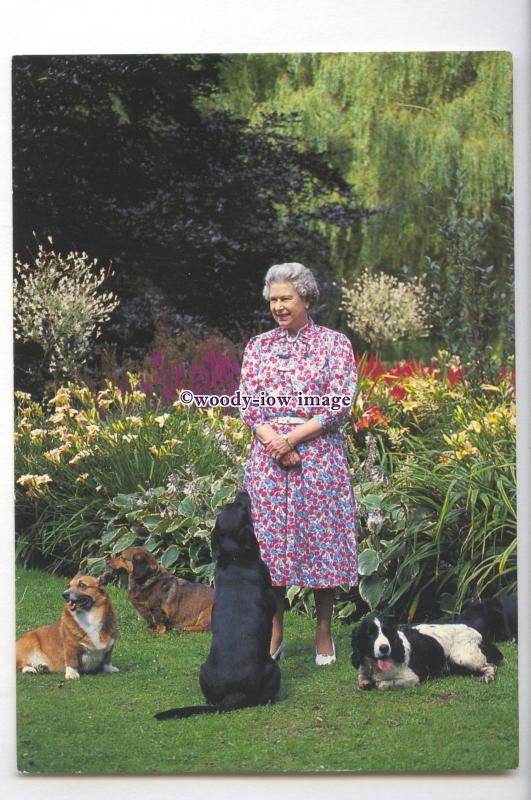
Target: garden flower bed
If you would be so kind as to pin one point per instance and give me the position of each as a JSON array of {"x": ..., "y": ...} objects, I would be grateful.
[{"x": 433, "y": 470}]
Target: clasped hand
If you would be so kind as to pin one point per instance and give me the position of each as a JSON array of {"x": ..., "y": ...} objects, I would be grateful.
[{"x": 280, "y": 451}]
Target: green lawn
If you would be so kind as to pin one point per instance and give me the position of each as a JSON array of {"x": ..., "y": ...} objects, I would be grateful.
[{"x": 320, "y": 723}]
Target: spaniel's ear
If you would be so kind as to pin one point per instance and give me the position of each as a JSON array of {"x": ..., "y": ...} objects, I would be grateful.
[
  {"x": 356, "y": 656},
  {"x": 388, "y": 620}
]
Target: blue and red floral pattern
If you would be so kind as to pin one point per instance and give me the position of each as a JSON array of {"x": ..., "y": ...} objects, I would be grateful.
[{"x": 304, "y": 517}]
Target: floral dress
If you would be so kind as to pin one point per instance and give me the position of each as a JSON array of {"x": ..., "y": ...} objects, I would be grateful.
[{"x": 304, "y": 516}]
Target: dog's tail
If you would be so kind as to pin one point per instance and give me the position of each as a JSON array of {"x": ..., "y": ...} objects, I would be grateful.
[
  {"x": 187, "y": 711},
  {"x": 229, "y": 703}
]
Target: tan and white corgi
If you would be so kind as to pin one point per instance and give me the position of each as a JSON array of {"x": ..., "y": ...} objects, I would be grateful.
[{"x": 81, "y": 640}]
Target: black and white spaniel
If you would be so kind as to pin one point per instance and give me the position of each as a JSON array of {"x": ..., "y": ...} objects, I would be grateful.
[{"x": 393, "y": 658}]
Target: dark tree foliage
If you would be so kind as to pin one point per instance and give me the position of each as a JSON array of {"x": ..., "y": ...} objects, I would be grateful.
[{"x": 112, "y": 156}]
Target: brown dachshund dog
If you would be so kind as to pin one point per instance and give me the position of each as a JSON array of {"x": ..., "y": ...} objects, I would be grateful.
[
  {"x": 81, "y": 641},
  {"x": 159, "y": 597}
]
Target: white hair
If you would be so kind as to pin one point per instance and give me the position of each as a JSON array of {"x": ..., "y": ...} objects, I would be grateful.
[{"x": 300, "y": 276}]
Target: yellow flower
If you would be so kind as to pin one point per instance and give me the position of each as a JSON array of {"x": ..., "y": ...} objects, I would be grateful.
[
  {"x": 61, "y": 398},
  {"x": 74, "y": 439},
  {"x": 133, "y": 379},
  {"x": 37, "y": 480},
  {"x": 475, "y": 426},
  {"x": 409, "y": 405},
  {"x": 129, "y": 437},
  {"x": 35, "y": 484},
  {"x": 82, "y": 393},
  {"x": 37, "y": 434},
  {"x": 82, "y": 478},
  {"x": 460, "y": 437},
  {"x": 468, "y": 450},
  {"x": 55, "y": 454},
  {"x": 158, "y": 451},
  {"x": 79, "y": 456},
  {"x": 161, "y": 420},
  {"x": 135, "y": 420},
  {"x": 105, "y": 402}
]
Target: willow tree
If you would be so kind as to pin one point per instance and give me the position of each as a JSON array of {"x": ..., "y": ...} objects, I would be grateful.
[{"x": 394, "y": 123}]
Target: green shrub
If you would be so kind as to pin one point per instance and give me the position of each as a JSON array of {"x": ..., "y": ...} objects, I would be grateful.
[
  {"x": 433, "y": 472},
  {"x": 81, "y": 450}
]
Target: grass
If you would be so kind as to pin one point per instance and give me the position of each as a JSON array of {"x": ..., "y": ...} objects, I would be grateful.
[{"x": 320, "y": 723}]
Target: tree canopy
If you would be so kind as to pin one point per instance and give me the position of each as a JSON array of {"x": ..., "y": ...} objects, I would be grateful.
[
  {"x": 393, "y": 124},
  {"x": 114, "y": 156}
]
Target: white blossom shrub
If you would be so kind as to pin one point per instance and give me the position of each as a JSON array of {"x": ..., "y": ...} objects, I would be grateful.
[
  {"x": 381, "y": 308},
  {"x": 57, "y": 304}
]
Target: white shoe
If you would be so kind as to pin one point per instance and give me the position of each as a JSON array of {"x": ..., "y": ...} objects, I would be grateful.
[
  {"x": 323, "y": 661},
  {"x": 279, "y": 652}
]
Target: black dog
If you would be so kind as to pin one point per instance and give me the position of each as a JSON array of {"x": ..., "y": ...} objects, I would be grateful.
[
  {"x": 496, "y": 618},
  {"x": 394, "y": 658},
  {"x": 238, "y": 672}
]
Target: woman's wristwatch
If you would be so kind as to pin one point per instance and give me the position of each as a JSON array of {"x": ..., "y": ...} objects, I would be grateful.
[{"x": 285, "y": 437}]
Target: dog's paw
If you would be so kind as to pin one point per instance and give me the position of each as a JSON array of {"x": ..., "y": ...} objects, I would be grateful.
[
  {"x": 42, "y": 669},
  {"x": 160, "y": 630},
  {"x": 388, "y": 686},
  {"x": 29, "y": 670},
  {"x": 488, "y": 673},
  {"x": 110, "y": 668},
  {"x": 364, "y": 684},
  {"x": 71, "y": 674}
]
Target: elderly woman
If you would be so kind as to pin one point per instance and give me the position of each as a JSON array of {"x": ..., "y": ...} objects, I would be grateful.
[{"x": 297, "y": 473}]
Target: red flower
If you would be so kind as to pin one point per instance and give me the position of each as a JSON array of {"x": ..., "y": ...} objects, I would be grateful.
[
  {"x": 455, "y": 375},
  {"x": 504, "y": 373},
  {"x": 398, "y": 392},
  {"x": 373, "y": 415}
]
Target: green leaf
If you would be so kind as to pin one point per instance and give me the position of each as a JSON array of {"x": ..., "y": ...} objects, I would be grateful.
[
  {"x": 346, "y": 610},
  {"x": 368, "y": 561},
  {"x": 125, "y": 500},
  {"x": 219, "y": 497},
  {"x": 151, "y": 521},
  {"x": 372, "y": 590},
  {"x": 291, "y": 593},
  {"x": 111, "y": 533},
  {"x": 96, "y": 566},
  {"x": 205, "y": 571},
  {"x": 125, "y": 541},
  {"x": 170, "y": 555},
  {"x": 187, "y": 506},
  {"x": 370, "y": 500},
  {"x": 151, "y": 543},
  {"x": 177, "y": 525},
  {"x": 202, "y": 533}
]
